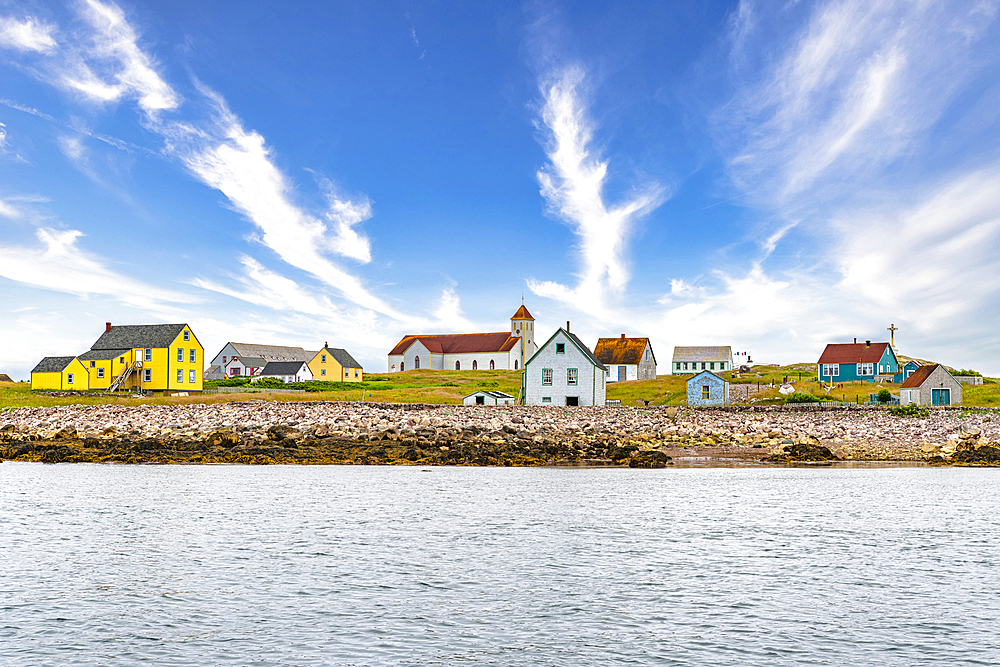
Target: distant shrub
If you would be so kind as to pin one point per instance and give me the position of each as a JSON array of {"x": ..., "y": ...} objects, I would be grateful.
[
  {"x": 911, "y": 410},
  {"x": 448, "y": 384},
  {"x": 801, "y": 397},
  {"x": 238, "y": 381},
  {"x": 884, "y": 396},
  {"x": 269, "y": 383},
  {"x": 487, "y": 383},
  {"x": 968, "y": 373}
]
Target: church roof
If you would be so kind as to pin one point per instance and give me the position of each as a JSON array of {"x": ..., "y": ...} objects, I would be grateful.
[
  {"x": 500, "y": 341},
  {"x": 522, "y": 314}
]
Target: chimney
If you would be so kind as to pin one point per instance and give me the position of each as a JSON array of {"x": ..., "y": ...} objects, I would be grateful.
[
  {"x": 855, "y": 340},
  {"x": 107, "y": 327},
  {"x": 868, "y": 343},
  {"x": 326, "y": 345},
  {"x": 623, "y": 336},
  {"x": 567, "y": 326}
]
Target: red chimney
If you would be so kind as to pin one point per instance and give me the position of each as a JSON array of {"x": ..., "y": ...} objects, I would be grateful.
[
  {"x": 623, "y": 336},
  {"x": 107, "y": 327},
  {"x": 855, "y": 340},
  {"x": 326, "y": 345}
]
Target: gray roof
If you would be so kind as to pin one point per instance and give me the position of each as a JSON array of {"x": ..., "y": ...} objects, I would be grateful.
[
  {"x": 214, "y": 369},
  {"x": 343, "y": 357},
  {"x": 704, "y": 353},
  {"x": 252, "y": 362},
  {"x": 717, "y": 377},
  {"x": 271, "y": 352},
  {"x": 282, "y": 367},
  {"x": 494, "y": 394},
  {"x": 102, "y": 355},
  {"x": 52, "y": 365},
  {"x": 586, "y": 350},
  {"x": 130, "y": 336}
]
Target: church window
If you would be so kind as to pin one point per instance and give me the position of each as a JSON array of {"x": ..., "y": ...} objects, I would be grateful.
[
  {"x": 475, "y": 366},
  {"x": 458, "y": 365},
  {"x": 492, "y": 365},
  {"x": 416, "y": 362},
  {"x": 515, "y": 364}
]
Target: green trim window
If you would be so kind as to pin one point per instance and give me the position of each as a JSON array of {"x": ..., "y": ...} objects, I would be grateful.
[
  {"x": 546, "y": 399},
  {"x": 572, "y": 374},
  {"x": 560, "y": 348}
]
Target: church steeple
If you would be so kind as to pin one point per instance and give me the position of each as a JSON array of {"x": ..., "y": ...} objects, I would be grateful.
[{"x": 522, "y": 325}]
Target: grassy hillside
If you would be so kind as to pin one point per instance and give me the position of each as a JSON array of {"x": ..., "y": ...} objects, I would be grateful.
[{"x": 428, "y": 386}]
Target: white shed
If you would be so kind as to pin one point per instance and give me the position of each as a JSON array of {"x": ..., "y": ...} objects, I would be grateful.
[{"x": 483, "y": 397}]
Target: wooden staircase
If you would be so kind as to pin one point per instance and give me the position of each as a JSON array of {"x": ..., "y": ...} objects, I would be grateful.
[{"x": 125, "y": 375}]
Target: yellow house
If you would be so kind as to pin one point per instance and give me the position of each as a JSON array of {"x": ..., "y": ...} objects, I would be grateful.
[
  {"x": 146, "y": 357},
  {"x": 335, "y": 364},
  {"x": 60, "y": 373}
]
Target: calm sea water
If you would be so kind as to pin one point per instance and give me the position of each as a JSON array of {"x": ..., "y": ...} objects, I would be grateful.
[{"x": 231, "y": 565}]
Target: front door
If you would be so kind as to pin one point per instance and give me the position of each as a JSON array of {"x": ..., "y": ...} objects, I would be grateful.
[
  {"x": 622, "y": 373},
  {"x": 941, "y": 396}
]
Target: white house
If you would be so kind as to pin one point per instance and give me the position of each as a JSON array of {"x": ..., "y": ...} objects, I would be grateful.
[
  {"x": 287, "y": 371},
  {"x": 483, "y": 397},
  {"x": 626, "y": 358},
  {"x": 564, "y": 372},
  {"x": 691, "y": 360},
  {"x": 265, "y": 352},
  {"x": 468, "y": 352},
  {"x": 243, "y": 366}
]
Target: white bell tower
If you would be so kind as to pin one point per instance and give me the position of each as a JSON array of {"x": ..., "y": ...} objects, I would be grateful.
[{"x": 522, "y": 325}]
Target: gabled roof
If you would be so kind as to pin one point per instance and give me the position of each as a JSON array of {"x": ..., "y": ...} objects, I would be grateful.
[
  {"x": 852, "y": 353},
  {"x": 128, "y": 336},
  {"x": 5, "y": 378},
  {"x": 282, "y": 367},
  {"x": 500, "y": 341},
  {"x": 698, "y": 375},
  {"x": 621, "y": 350},
  {"x": 919, "y": 376},
  {"x": 252, "y": 362},
  {"x": 53, "y": 365},
  {"x": 102, "y": 355},
  {"x": 214, "y": 369},
  {"x": 576, "y": 341},
  {"x": 271, "y": 352},
  {"x": 494, "y": 394},
  {"x": 703, "y": 353},
  {"x": 522, "y": 314},
  {"x": 342, "y": 356}
]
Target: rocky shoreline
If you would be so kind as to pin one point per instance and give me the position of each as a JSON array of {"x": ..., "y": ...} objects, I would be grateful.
[{"x": 259, "y": 432}]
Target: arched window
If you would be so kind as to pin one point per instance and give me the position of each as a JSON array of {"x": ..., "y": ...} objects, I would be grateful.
[
  {"x": 492, "y": 366},
  {"x": 402, "y": 366},
  {"x": 475, "y": 366},
  {"x": 458, "y": 365},
  {"x": 515, "y": 364},
  {"x": 416, "y": 362}
]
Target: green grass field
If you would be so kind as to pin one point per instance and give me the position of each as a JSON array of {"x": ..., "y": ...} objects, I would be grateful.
[{"x": 448, "y": 387}]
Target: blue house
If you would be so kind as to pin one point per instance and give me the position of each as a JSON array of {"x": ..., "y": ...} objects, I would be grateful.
[
  {"x": 848, "y": 362},
  {"x": 707, "y": 389},
  {"x": 906, "y": 371}
]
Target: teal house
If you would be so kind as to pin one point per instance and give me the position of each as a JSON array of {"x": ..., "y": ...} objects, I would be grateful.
[
  {"x": 850, "y": 362},
  {"x": 905, "y": 371},
  {"x": 706, "y": 389}
]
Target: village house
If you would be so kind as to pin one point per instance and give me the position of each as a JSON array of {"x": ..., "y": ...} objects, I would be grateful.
[
  {"x": 241, "y": 366},
  {"x": 564, "y": 372},
  {"x": 930, "y": 385},
  {"x": 715, "y": 358},
  {"x": 265, "y": 352},
  {"x": 164, "y": 358},
  {"x": 707, "y": 389},
  {"x": 626, "y": 358},
  {"x": 286, "y": 371},
  {"x": 848, "y": 362},
  {"x": 335, "y": 364},
  {"x": 484, "y": 397},
  {"x": 62, "y": 373},
  {"x": 468, "y": 352}
]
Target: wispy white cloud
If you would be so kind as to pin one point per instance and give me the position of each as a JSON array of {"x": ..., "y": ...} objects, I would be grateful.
[
  {"x": 573, "y": 187},
  {"x": 58, "y": 263},
  {"x": 27, "y": 34},
  {"x": 8, "y": 211}
]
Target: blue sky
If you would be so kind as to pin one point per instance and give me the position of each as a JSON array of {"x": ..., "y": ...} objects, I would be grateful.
[{"x": 773, "y": 176}]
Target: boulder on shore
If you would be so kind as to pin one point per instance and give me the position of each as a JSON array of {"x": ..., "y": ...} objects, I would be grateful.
[{"x": 804, "y": 451}]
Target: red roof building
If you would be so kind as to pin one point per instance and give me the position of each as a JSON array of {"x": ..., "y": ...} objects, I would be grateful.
[{"x": 847, "y": 362}]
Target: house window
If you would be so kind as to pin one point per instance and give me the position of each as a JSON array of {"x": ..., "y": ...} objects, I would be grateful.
[
  {"x": 547, "y": 376},
  {"x": 831, "y": 370},
  {"x": 100, "y": 373},
  {"x": 69, "y": 378},
  {"x": 703, "y": 365},
  {"x": 865, "y": 369},
  {"x": 122, "y": 360},
  {"x": 191, "y": 376},
  {"x": 571, "y": 375},
  {"x": 147, "y": 375},
  {"x": 180, "y": 354},
  {"x": 194, "y": 355},
  {"x": 223, "y": 360},
  {"x": 180, "y": 375},
  {"x": 546, "y": 399},
  {"x": 458, "y": 365},
  {"x": 148, "y": 354},
  {"x": 475, "y": 365},
  {"x": 356, "y": 373},
  {"x": 711, "y": 365},
  {"x": 323, "y": 359},
  {"x": 560, "y": 348},
  {"x": 187, "y": 335},
  {"x": 416, "y": 362},
  {"x": 322, "y": 371},
  {"x": 492, "y": 366},
  {"x": 706, "y": 392},
  {"x": 93, "y": 363}
]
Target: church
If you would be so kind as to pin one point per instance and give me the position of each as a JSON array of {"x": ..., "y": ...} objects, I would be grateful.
[{"x": 469, "y": 352}]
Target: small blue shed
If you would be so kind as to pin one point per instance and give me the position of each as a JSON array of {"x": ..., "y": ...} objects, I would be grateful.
[
  {"x": 906, "y": 371},
  {"x": 707, "y": 389}
]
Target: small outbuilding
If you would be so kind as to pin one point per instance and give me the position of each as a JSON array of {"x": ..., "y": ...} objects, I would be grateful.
[
  {"x": 930, "y": 385},
  {"x": 626, "y": 358},
  {"x": 286, "y": 371},
  {"x": 214, "y": 372},
  {"x": 483, "y": 397},
  {"x": 63, "y": 373},
  {"x": 707, "y": 389}
]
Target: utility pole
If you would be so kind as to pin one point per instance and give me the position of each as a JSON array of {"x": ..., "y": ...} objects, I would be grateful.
[{"x": 892, "y": 329}]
